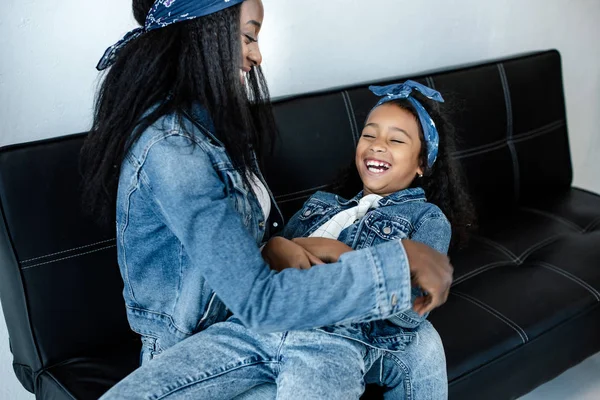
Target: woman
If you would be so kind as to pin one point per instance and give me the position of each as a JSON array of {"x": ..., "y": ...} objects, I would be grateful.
[{"x": 173, "y": 142}]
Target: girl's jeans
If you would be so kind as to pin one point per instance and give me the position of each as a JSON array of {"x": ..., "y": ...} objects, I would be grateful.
[{"x": 228, "y": 361}]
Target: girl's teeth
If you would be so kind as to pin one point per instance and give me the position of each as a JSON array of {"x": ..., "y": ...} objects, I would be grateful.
[
  {"x": 376, "y": 169},
  {"x": 377, "y": 166}
]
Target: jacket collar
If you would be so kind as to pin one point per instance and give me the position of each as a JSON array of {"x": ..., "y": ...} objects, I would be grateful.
[{"x": 401, "y": 196}]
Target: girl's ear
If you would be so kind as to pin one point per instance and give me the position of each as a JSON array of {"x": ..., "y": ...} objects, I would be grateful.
[{"x": 420, "y": 170}]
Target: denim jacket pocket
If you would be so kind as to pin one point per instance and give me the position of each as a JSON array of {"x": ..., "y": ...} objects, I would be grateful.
[
  {"x": 311, "y": 217},
  {"x": 313, "y": 209},
  {"x": 388, "y": 229}
]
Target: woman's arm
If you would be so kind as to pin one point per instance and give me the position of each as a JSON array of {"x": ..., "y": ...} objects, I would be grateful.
[{"x": 180, "y": 180}]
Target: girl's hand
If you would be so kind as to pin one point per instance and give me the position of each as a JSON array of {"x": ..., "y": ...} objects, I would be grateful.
[
  {"x": 281, "y": 253},
  {"x": 328, "y": 250}
]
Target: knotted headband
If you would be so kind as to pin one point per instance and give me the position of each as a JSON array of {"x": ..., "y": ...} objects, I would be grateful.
[
  {"x": 404, "y": 91},
  {"x": 162, "y": 14}
]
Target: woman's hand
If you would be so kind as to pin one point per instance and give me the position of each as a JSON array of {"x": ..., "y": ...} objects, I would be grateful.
[
  {"x": 432, "y": 272},
  {"x": 328, "y": 250},
  {"x": 281, "y": 253}
]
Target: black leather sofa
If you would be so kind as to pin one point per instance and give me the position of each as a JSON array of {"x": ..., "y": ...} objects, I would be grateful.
[{"x": 525, "y": 301}]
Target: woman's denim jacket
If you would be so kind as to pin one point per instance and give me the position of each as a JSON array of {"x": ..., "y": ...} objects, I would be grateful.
[
  {"x": 401, "y": 215},
  {"x": 188, "y": 236}
]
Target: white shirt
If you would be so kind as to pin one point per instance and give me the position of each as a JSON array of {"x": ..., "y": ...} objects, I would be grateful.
[{"x": 262, "y": 194}]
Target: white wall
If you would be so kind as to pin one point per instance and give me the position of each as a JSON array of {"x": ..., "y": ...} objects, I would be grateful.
[{"x": 49, "y": 50}]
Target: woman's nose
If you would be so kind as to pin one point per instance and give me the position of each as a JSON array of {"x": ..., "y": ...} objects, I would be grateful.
[{"x": 255, "y": 56}]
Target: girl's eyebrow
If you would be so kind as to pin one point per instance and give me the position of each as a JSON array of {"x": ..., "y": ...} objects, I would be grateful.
[
  {"x": 392, "y": 128},
  {"x": 395, "y": 128}
]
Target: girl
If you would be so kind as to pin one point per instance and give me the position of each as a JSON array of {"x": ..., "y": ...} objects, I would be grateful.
[
  {"x": 396, "y": 155},
  {"x": 171, "y": 157}
]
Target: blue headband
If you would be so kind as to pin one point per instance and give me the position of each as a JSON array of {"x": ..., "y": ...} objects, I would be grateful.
[
  {"x": 403, "y": 91},
  {"x": 162, "y": 14}
]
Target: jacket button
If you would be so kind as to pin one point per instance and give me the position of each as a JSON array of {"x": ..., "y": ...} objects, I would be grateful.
[
  {"x": 275, "y": 224},
  {"x": 306, "y": 213},
  {"x": 261, "y": 224},
  {"x": 387, "y": 230}
]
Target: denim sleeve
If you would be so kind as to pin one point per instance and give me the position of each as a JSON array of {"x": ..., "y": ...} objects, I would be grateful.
[{"x": 179, "y": 178}]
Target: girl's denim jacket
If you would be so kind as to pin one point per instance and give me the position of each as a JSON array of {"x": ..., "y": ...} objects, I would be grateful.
[
  {"x": 188, "y": 236},
  {"x": 402, "y": 215}
]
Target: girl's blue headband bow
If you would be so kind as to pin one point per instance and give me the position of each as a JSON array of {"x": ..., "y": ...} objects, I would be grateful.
[
  {"x": 403, "y": 91},
  {"x": 162, "y": 14}
]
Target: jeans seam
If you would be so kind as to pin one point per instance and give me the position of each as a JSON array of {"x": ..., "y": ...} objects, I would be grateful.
[
  {"x": 200, "y": 380},
  {"x": 405, "y": 369},
  {"x": 278, "y": 353}
]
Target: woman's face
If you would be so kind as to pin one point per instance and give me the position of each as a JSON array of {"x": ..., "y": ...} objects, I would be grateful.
[
  {"x": 251, "y": 19},
  {"x": 387, "y": 155}
]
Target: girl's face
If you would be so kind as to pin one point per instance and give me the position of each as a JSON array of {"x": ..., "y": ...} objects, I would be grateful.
[
  {"x": 251, "y": 19},
  {"x": 387, "y": 155}
]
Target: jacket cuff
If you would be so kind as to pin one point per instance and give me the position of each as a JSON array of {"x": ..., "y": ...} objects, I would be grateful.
[{"x": 392, "y": 278}]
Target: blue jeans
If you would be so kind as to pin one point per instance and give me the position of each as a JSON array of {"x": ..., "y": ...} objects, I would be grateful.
[{"x": 228, "y": 360}]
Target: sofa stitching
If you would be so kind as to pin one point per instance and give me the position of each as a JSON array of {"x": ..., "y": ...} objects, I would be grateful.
[
  {"x": 304, "y": 196},
  {"x": 554, "y": 217},
  {"x": 470, "y": 153},
  {"x": 495, "y": 313},
  {"x": 66, "y": 251},
  {"x": 517, "y": 259},
  {"x": 67, "y": 258},
  {"x": 551, "y": 127},
  {"x": 539, "y": 131},
  {"x": 430, "y": 82},
  {"x": 282, "y": 197},
  {"x": 591, "y": 225},
  {"x": 536, "y": 246},
  {"x": 479, "y": 149},
  {"x": 572, "y": 277},
  {"x": 478, "y": 271},
  {"x": 509, "y": 131},
  {"x": 499, "y": 247},
  {"x": 351, "y": 117}
]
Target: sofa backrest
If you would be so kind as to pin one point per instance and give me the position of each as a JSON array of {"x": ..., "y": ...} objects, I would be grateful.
[
  {"x": 510, "y": 120},
  {"x": 59, "y": 282}
]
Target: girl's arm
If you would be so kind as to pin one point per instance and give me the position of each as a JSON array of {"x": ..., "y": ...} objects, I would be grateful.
[{"x": 186, "y": 192}]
